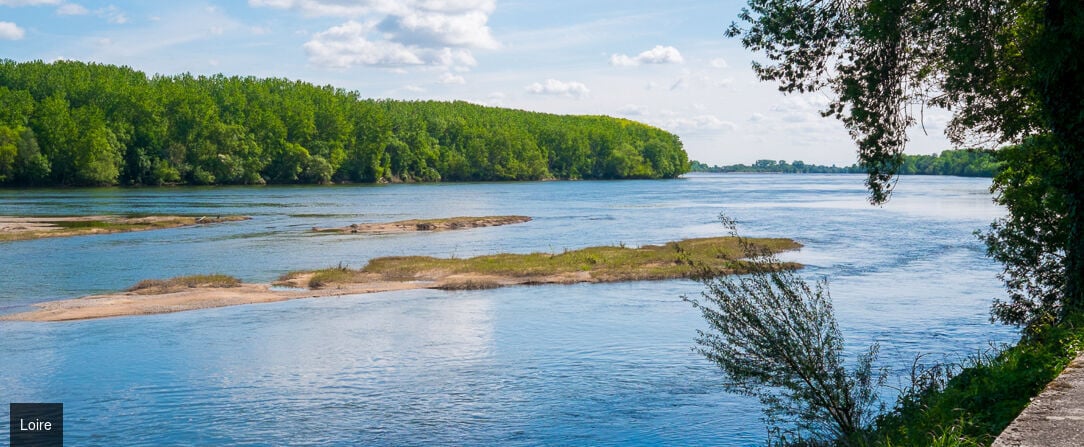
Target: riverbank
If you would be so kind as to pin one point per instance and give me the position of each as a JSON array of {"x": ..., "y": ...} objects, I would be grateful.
[
  {"x": 683, "y": 259},
  {"x": 13, "y": 228},
  {"x": 975, "y": 404}
]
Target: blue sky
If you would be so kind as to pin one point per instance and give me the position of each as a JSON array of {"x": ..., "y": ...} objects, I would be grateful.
[{"x": 663, "y": 63}]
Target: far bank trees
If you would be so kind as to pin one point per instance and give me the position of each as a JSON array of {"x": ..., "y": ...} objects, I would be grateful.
[{"x": 74, "y": 123}]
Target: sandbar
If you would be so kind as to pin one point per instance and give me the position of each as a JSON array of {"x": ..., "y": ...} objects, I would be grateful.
[
  {"x": 14, "y": 228},
  {"x": 690, "y": 258},
  {"x": 413, "y": 225}
]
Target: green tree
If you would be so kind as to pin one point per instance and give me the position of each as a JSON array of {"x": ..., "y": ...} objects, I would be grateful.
[
  {"x": 1029, "y": 242},
  {"x": 777, "y": 339},
  {"x": 1007, "y": 68}
]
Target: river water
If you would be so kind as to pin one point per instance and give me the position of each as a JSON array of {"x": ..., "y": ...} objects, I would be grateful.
[{"x": 588, "y": 364}]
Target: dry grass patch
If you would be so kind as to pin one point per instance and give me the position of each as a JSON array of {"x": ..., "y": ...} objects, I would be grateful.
[
  {"x": 685, "y": 259},
  {"x": 158, "y": 286}
]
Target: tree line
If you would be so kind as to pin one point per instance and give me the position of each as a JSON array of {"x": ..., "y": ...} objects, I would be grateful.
[
  {"x": 959, "y": 162},
  {"x": 87, "y": 124}
]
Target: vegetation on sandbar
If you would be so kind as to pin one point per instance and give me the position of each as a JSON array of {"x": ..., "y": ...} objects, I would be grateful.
[
  {"x": 440, "y": 224},
  {"x": 26, "y": 228},
  {"x": 689, "y": 258},
  {"x": 158, "y": 286}
]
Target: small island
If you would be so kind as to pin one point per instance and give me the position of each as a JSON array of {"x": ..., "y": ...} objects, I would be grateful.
[
  {"x": 14, "y": 228},
  {"x": 690, "y": 258},
  {"x": 412, "y": 225}
]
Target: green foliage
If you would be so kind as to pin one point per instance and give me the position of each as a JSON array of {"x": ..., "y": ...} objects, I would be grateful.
[
  {"x": 959, "y": 162},
  {"x": 776, "y": 338},
  {"x": 1008, "y": 69},
  {"x": 157, "y": 286},
  {"x": 1030, "y": 241},
  {"x": 879, "y": 58},
  {"x": 74, "y": 123},
  {"x": 972, "y": 403}
]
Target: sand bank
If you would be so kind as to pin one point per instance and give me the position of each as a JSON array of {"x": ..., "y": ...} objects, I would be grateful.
[
  {"x": 684, "y": 259},
  {"x": 14, "y": 228},
  {"x": 444, "y": 224}
]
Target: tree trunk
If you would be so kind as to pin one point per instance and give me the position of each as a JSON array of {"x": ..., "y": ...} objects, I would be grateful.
[{"x": 1059, "y": 62}]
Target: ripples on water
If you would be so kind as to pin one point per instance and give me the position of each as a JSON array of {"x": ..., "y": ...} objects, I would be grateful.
[{"x": 604, "y": 364}]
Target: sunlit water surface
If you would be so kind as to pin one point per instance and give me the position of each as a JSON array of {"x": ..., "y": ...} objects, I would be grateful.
[{"x": 598, "y": 364}]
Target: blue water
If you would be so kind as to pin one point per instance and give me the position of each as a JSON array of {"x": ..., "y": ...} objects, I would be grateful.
[{"x": 588, "y": 364}]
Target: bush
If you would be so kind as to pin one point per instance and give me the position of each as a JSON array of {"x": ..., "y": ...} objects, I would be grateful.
[{"x": 776, "y": 338}]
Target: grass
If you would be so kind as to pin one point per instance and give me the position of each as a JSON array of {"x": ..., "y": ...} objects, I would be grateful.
[
  {"x": 607, "y": 263},
  {"x": 333, "y": 275},
  {"x": 974, "y": 405},
  {"x": 215, "y": 280}
]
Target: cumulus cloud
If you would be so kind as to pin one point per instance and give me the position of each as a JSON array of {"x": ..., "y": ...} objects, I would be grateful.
[
  {"x": 434, "y": 29},
  {"x": 435, "y": 32},
  {"x": 554, "y": 87},
  {"x": 11, "y": 31},
  {"x": 657, "y": 55},
  {"x": 347, "y": 44},
  {"x": 718, "y": 63},
  {"x": 449, "y": 78}
]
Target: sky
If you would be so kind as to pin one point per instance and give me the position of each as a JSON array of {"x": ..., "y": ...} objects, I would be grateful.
[{"x": 667, "y": 64}]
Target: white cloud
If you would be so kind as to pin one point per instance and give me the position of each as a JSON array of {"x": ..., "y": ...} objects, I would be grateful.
[
  {"x": 321, "y": 8},
  {"x": 496, "y": 99},
  {"x": 353, "y": 43},
  {"x": 448, "y": 78},
  {"x": 11, "y": 31},
  {"x": 935, "y": 119},
  {"x": 413, "y": 88},
  {"x": 633, "y": 110},
  {"x": 28, "y": 2},
  {"x": 435, "y": 29},
  {"x": 800, "y": 109},
  {"x": 112, "y": 14},
  {"x": 718, "y": 63},
  {"x": 72, "y": 9},
  {"x": 657, "y": 55},
  {"x": 347, "y": 45},
  {"x": 699, "y": 122},
  {"x": 554, "y": 87},
  {"x": 404, "y": 32}
]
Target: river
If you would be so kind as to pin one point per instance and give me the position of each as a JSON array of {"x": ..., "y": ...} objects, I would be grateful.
[{"x": 587, "y": 364}]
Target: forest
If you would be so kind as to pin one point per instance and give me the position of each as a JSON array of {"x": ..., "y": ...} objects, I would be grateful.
[
  {"x": 85, "y": 124},
  {"x": 959, "y": 162}
]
